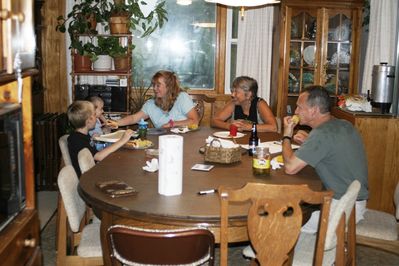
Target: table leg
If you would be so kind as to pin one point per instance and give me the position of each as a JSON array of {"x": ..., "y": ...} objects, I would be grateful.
[{"x": 106, "y": 222}]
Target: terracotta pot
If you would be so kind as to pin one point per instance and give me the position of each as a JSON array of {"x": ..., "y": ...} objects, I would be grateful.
[
  {"x": 118, "y": 25},
  {"x": 81, "y": 63},
  {"x": 121, "y": 63},
  {"x": 118, "y": 2}
]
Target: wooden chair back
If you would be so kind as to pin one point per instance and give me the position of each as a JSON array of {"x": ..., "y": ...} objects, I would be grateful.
[
  {"x": 136, "y": 246},
  {"x": 274, "y": 218},
  {"x": 200, "y": 100},
  {"x": 86, "y": 160},
  {"x": 71, "y": 221}
]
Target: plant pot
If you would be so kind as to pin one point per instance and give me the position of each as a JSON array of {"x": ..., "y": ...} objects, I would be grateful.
[
  {"x": 93, "y": 22},
  {"x": 118, "y": 2},
  {"x": 81, "y": 63},
  {"x": 118, "y": 25},
  {"x": 121, "y": 63},
  {"x": 103, "y": 63}
]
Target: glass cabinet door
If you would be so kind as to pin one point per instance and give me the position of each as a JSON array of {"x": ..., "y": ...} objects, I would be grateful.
[
  {"x": 302, "y": 65},
  {"x": 339, "y": 46}
]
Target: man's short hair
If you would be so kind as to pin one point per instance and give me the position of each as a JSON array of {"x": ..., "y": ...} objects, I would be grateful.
[
  {"x": 78, "y": 113},
  {"x": 318, "y": 96}
]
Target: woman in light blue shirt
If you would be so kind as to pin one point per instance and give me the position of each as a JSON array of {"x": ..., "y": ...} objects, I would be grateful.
[{"x": 169, "y": 107}]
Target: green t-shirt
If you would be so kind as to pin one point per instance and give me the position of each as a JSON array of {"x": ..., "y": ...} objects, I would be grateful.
[{"x": 336, "y": 151}]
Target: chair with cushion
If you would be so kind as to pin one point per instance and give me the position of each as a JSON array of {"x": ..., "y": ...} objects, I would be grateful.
[
  {"x": 199, "y": 100},
  {"x": 340, "y": 244},
  {"x": 84, "y": 243},
  {"x": 380, "y": 229},
  {"x": 274, "y": 218},
  {"x": 136, "y": 246},
  {"x": 86, "y": 160},
  {"x": 63, "y": 142}
]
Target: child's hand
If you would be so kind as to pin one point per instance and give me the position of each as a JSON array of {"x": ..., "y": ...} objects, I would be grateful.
[
  {"x": 126, "y": 136},
  {"x": 112, "y": 124},
  {"x": 95, "y": 135}
]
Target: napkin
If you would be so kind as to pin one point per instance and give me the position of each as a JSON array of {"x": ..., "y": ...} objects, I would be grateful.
[
  {"x": 152, "y": 166},
  {"x": 274, "y": 164},
  {"x": 180, "y": 130},
  {"x": 224, "y": 143}
]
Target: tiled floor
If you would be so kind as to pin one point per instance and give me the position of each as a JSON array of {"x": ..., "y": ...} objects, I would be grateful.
[{"x": 365, "y": 256}]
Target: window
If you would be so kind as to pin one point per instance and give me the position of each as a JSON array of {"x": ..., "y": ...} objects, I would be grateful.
[
  {"x": 186, "y": 45},
  {"x": 231, "y": 47}
]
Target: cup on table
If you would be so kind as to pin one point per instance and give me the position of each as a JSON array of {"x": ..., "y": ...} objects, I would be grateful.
[{"x": 233, "y": 130}]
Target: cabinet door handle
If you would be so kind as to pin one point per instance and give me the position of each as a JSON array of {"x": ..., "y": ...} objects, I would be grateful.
[{"x": 30, "y": 243}]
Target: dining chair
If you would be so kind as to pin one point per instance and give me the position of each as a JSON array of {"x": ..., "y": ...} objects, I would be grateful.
[
  {"x": 63, "y": 143},
  {"x": 199, "y": 100},
  {"x": 380, "y": 229},
  {"x": 138, "y": 246},
  {"x": 85, "y": 160},
  {"x": 274, "y": 218},
  {"x": 340, "y": 244},
  {"x": 84, "y": 243}
]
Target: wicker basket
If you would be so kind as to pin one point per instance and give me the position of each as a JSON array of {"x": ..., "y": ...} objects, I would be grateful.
[{"x": 222, "y": 155}]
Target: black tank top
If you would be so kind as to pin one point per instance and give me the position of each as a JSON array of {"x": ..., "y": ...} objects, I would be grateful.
[{"x": 253, "y": 111}]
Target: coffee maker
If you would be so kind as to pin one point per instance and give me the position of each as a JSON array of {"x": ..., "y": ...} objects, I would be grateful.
[{"x": 382, "y": 87}]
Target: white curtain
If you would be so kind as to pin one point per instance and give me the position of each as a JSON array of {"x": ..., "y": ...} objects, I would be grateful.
[
  {"x": 381, "y": 40},
  {"x": 254, "y": 47}
]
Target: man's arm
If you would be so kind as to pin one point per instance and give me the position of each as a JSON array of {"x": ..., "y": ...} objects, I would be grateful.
[{"x": 292, "y": 164}]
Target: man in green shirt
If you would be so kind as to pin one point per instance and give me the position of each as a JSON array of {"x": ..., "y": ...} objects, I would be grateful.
[{"x": 333, "y": 147}]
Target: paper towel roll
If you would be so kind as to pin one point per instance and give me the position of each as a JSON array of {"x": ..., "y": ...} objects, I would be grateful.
[{"x": 170, "y": 174}]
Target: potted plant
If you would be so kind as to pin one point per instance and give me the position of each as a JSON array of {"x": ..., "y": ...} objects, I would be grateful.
[
  {"x": 127, "y": 16},
  {"x": 102, "y": 60},
  {"x": 120, "y": 54},
  {"x": 138, "y": 96},
  {"x": 83, "y": 55}
]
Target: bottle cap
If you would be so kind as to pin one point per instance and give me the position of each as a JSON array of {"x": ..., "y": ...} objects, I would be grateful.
[{"x": 142, "y": 122}]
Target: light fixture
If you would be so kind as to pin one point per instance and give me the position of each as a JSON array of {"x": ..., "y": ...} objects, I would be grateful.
[
  {"x": 243, "y": 3},
  {"x": 184, "y": 2}
]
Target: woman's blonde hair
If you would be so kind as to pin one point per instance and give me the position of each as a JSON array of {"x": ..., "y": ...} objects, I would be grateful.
[
  {"x": 172, "y": 89},
  {"x": 78, "y": 113}
]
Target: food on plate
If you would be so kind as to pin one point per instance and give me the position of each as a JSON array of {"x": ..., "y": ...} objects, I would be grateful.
[
  {"x": 295, "y": 119},
  {"x": 280, "y": 159},
  {"x": 193, "y": 126},
  {"x": 138, "y": 144}
]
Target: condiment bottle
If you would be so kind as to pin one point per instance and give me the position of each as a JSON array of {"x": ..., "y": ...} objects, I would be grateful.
[
  {"x": 261, "y": 161},
  {"x": 253, "y": 140},
  {"x": 143, "y": 125}
]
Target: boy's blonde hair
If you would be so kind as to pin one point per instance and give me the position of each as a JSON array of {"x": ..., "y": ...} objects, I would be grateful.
[{"x": 78, "y": 113}]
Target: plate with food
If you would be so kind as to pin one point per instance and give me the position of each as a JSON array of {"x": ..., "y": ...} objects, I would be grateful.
[
  {"x": 138, "y": 144},
  {"x": 156, "y": 131},
  {"x": 184, "y": 129},
  {"x": 226, "y": 135},
  {"x": 114, "y": 136}
]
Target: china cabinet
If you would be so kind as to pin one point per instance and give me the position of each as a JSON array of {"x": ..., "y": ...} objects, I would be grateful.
[
  {"x": 319, "y": 44},
  {"x": 112, "y": 85}
]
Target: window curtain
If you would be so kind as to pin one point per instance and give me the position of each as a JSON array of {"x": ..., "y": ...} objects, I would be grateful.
[
  {"x": 381, "y": 40},
  {"x": 254, "y": 47}
]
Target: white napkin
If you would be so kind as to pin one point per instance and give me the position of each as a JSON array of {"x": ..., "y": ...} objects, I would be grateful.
[
  {"x": 180, "y": 130},
  {"x": 275, "y": 165},
  {"x": 224, "y": 143},
  {"x": 152, "y": 166},
  {"x": 358, "y": 103}
]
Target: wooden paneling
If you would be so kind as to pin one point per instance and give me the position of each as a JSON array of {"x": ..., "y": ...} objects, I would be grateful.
[
  {"x": 380, "y": 136},
  {"x": 53, "y": 48}
]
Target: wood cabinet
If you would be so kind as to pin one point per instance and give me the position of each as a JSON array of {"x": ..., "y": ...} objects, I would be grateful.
[
  {"x": 20, "y": 239},
  {"x": 319, "y": 44},
  {"x": 380, "y": 134},
  {"x": 112, "y": 85}
]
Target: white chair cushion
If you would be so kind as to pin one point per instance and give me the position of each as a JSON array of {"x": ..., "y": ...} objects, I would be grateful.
[
  {"x": 90, "y": 243},
  {"x": 304, "y": 251},
  {"x": 377, "y": 224}
]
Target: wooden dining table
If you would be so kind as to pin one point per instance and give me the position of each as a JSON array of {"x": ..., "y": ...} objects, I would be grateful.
[{"x": 149, "y": 209}]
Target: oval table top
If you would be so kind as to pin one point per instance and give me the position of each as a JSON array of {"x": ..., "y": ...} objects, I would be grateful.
[{"x": 189, "y": 207}]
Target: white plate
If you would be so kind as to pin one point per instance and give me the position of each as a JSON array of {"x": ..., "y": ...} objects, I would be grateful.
[
  {"x": 309, "y": 54},
  {"x": 226, "y": 135},
  {"x": 113, "y": 137}
]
